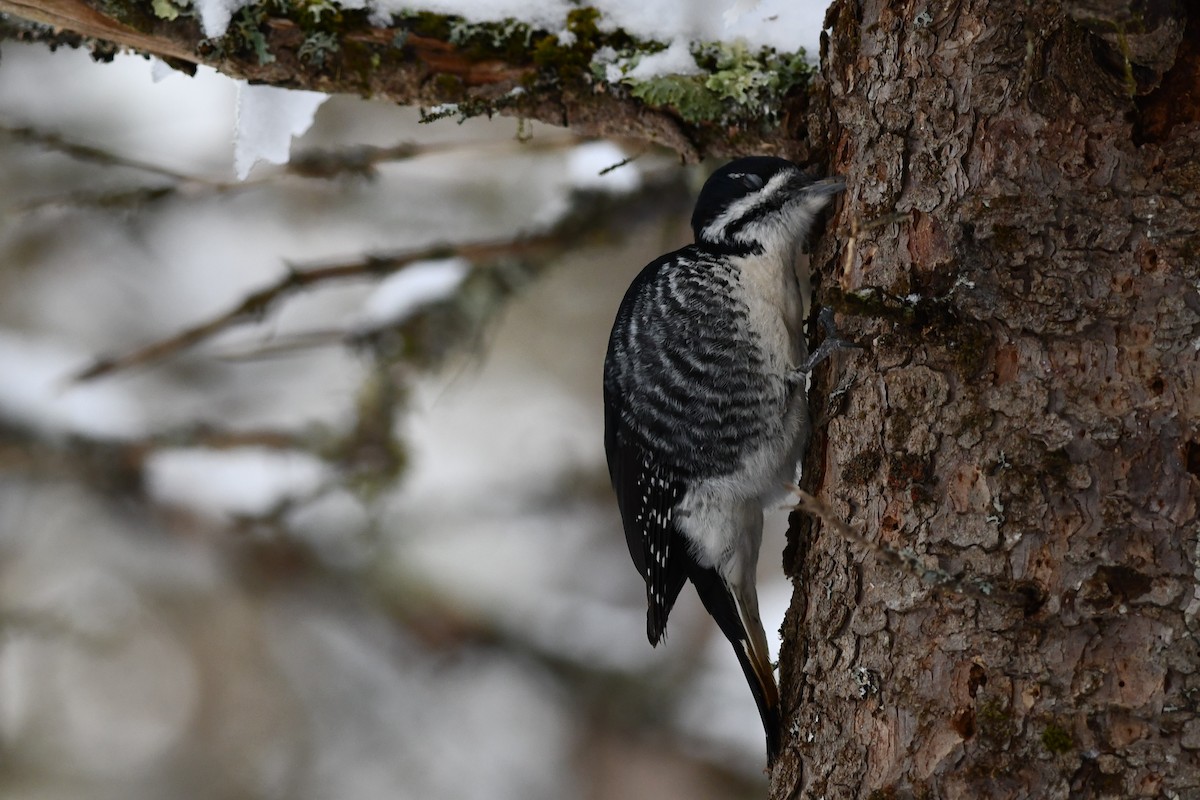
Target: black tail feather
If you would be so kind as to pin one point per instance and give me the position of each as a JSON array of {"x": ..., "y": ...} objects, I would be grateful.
[
  {"x": 768, "y": 711},
  {"x": 719, "y": 602}
]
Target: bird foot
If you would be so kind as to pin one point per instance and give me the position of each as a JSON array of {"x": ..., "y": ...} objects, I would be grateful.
[{"x": 832, "y": 342}]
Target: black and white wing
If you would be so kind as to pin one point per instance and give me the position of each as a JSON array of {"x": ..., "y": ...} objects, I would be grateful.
[
  {"x": 647, "y": 493},
  {"x": 674, "y": 376}
]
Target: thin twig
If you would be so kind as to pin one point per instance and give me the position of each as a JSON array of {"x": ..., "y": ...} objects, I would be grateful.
[
  {"x": 255, "y": 306},
  {"x": 362, "y": 159},
  {"x": 95, "y": 155},
  {"x": 593, "y": 216},
  {"x": 623, "y": 162},
  {"x": 117, "y": 464},
  {"x": 311, "y": 163},
  {"x": 120, "y": 199}
]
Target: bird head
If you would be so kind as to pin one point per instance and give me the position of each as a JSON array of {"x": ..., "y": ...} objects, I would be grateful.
[{"x": 759, "y": 204}]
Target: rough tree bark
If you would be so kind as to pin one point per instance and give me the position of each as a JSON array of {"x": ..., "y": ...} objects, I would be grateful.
[{"x": 1026, "y": 412}]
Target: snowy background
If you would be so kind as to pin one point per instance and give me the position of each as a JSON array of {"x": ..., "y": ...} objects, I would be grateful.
[{"x": 194, "y": 615}]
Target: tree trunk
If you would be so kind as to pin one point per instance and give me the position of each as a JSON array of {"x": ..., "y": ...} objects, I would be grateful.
[{"x": 1026, "y": 411}]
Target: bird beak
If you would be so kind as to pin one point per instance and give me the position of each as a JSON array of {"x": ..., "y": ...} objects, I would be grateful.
[{"x": 827, "y": 186}]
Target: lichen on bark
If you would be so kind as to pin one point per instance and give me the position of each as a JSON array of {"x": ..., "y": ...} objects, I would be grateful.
[{"x": 736, "y": 99}]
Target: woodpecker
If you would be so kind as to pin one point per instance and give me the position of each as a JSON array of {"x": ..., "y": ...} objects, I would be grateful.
[{"x": 705, "y": 404}]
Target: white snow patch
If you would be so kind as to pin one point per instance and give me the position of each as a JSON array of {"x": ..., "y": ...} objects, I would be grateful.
[
  {"x": 739, "y": 9},
  {"x": 183, "y": 125},
  {"x": 586, "y": 162},
  {"x": 443, "y": 109},
  {"x": 215, "y": 14},
  {"x": 675, "y": 60},
  {"x": 398, "y": 296},
  {"x": 35, "y": 390},
  {"x": 247, "y": 481},
  {"x": 267, "y": 119},
  {"x": 785, "y": 25},
  {"x": 160, "y": 70}
]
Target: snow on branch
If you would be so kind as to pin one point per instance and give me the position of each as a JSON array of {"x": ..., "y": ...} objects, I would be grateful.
[{"x": 726, "y": 79}]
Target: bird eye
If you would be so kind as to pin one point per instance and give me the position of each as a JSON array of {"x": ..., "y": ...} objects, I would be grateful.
[{"x": 751, "y": 181}]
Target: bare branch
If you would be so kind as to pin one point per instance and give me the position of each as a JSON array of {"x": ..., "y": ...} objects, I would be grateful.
[
  {"x": 310, "y": 163},
  {"x": 96, "y": 155},
  {"x": 362, "y": 159},
  {"x": 80, "y": 18},
  {"x": 116, "y": 465},
  {"x": 256, "y": 305},
  {"x": 587, "y": 219}
]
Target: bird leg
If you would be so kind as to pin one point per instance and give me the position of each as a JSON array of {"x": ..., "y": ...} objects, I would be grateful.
[{"x": 832, "y": 342}]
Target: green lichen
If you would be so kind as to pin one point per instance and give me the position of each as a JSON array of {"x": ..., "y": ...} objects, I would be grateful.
[
  {"x": 322, "y": 22},
  {"x": 509, "y": 39},
  {"x": 244, "y": 35},
  {"x": 735, "y": 84},
  {"x": 317, "y": 8},
  {"x": 967, "y": 342},
  {"x": 317, "y": 47},
  {"x": 684, "y": 93},
  {"x": 144, "y": 16},
  {"x": 1057, "y": 739},
  {"x": 469, "y": 107},
  {"x": 168, "y": 10},
  {"x": 751, "y": 79},
  {"x": 250, "y": 31},
  {"x": 567, "y": 57},
  {"x": 994, "y": 722}
]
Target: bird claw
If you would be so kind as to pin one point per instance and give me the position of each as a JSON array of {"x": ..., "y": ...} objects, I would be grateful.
[{"x": 832, "y": 342}]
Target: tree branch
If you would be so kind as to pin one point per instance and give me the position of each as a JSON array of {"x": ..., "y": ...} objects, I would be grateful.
[
  {"x": 427, "y": 60},
  {"x": 593, "y": 215},
  {"x": 256, "y": 305}
]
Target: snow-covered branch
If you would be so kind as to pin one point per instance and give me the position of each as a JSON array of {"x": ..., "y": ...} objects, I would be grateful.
[{"x": 699, "y": 89}]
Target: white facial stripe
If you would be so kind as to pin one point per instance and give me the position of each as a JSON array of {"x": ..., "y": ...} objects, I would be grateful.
[{"x": 715, "y": 231}]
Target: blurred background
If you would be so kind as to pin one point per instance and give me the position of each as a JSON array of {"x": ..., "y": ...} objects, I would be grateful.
[{"x": 359, "y": 541}]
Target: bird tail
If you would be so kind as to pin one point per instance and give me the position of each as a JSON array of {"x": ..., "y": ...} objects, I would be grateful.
[{"x": 739, "y": 620}]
